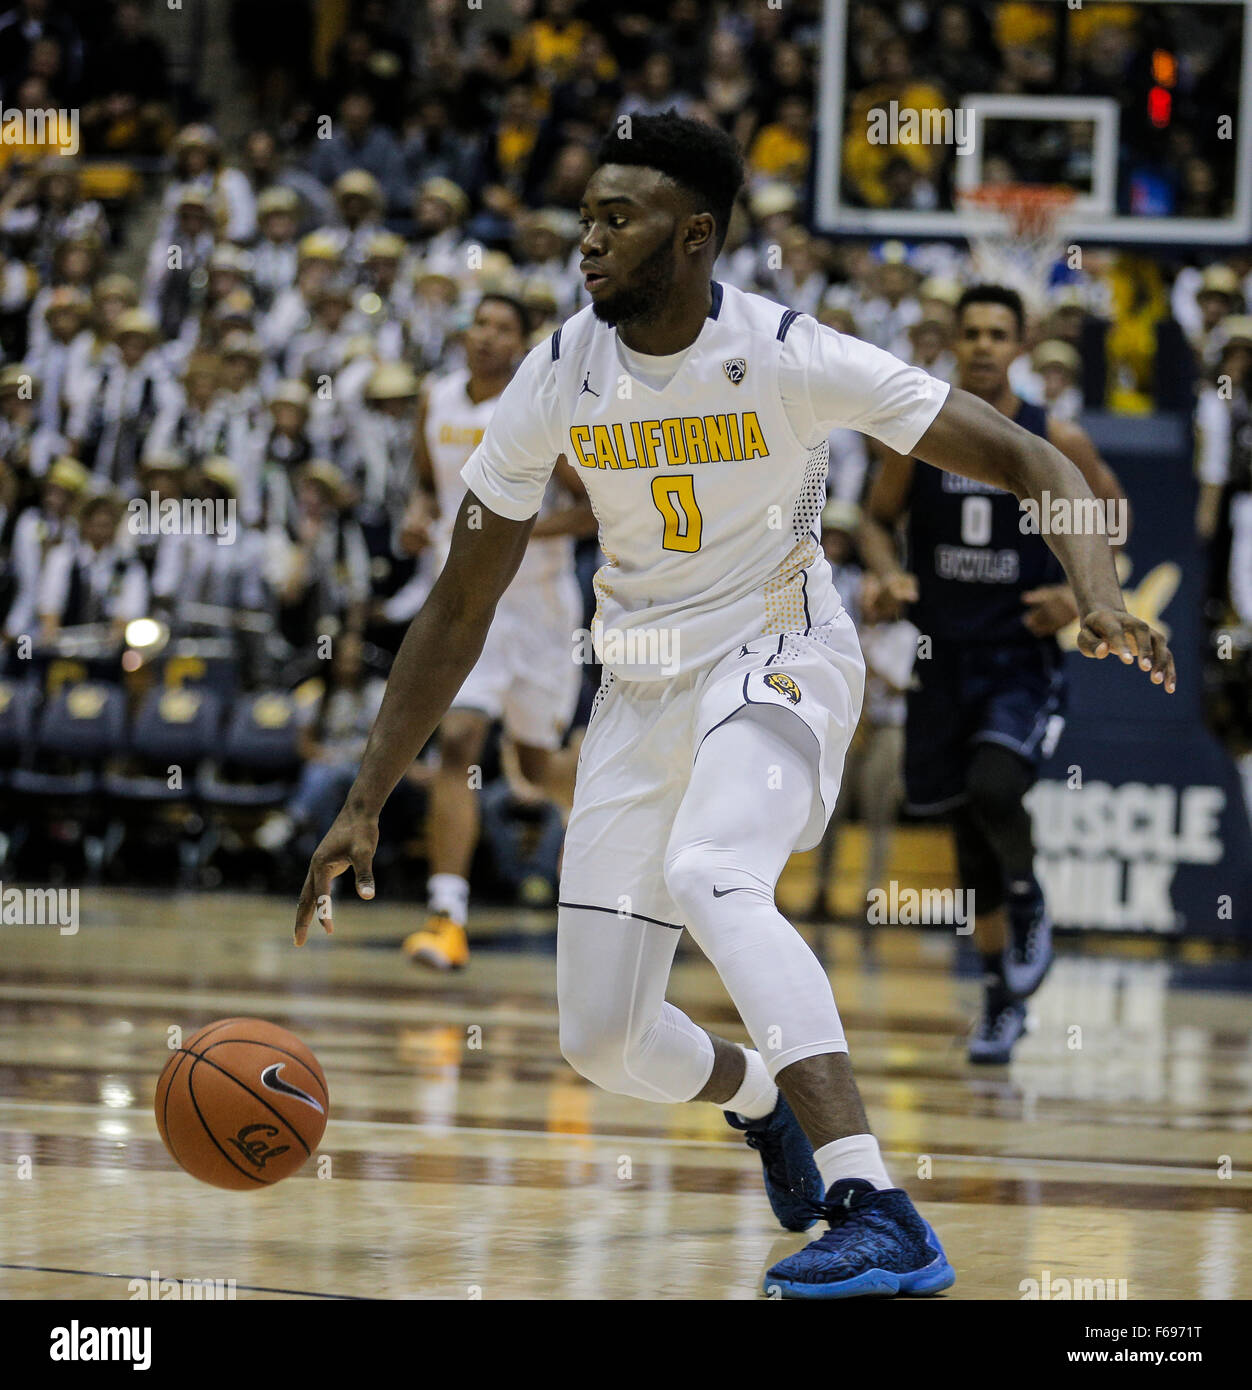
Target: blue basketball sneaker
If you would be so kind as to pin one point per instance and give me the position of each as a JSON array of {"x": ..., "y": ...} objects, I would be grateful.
[
  {"x": 792, "y": 1183},
  {"x": 1029, "y": 955},
  {"x": 878, "y": 1244}
]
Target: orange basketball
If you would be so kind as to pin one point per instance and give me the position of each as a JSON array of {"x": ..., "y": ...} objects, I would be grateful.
[{"x": 241, "y": 1104}]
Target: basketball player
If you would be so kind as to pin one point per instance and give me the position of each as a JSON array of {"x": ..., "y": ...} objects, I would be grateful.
[
  {"x": 697, "y": 416},
  {"x": 987, "y": 706},
  {"x": 526, "y": 674}
]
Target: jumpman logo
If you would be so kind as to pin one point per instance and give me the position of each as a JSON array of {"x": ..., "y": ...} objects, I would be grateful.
[{"x": 587, "y": 388}]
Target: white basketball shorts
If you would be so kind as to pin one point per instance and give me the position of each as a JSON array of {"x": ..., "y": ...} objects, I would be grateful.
[{"x": 642, "y": 739}]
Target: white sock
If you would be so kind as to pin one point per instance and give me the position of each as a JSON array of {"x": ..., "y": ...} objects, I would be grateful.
[
  {"x": 448, "y": 894},
  {"x": 758, "y": 1095},
  {"x": 856, "y": 1156}
]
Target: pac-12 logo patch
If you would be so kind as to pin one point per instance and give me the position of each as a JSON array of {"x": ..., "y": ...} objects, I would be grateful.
[
  {"x": 784, "y": 685},
  {"x": 736, "y": 368}
]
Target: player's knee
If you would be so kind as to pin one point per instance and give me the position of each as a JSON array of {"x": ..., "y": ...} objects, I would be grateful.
[
  {"x": 597, "y": 1051},
  {"x": 995, "y": 784}
]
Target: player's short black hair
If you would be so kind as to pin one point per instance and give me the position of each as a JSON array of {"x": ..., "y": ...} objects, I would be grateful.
[
  {"x": 499, "y": 297},
  {"x": 994, "y": 294},
  {"x": 701, "y": 158}
]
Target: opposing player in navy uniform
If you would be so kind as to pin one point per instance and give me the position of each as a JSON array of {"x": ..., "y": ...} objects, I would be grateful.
[
  {"x": 988, "y": 597},
  {"x": 733, "y": 677}
]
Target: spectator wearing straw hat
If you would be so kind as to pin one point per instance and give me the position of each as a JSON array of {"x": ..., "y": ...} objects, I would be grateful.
[
  {"x": 64, "y": 312},
  {"x": 1218, "y": 295},
  {"x": 26, "y": 443},
  {"x": 280, "y": 444},
  {"x": 178, "y": 259},
  {"x": 359, "y": 207},
  {"x": 318, "y": 564},
  {"x": 193, "y": 423},
  {"x": 204, "y": 572},
  {"x": 198, "y": 160},
  {"x": 38, "y": 529},
  {"x": 317, "y": 263},
  {"x": 1056, "y": 368},
  {"x": 90, "y": 577},
  {"x": 108, "y": 423},
  {"x": 275, "y": 255},
  {"x": 440, "y": 208},
  {"x": 384, "y": 301}
]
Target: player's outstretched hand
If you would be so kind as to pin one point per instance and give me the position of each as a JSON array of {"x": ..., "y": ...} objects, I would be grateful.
[
  {"x": 350, "y": 842},
  {"x": 1113, "y": 632}
]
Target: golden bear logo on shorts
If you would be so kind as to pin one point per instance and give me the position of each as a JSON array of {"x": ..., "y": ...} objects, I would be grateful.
[{"x": 784, "y": 685}]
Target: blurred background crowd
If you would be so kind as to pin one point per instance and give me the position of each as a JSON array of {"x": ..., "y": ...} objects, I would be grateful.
[{"x": 277, "y": 224}]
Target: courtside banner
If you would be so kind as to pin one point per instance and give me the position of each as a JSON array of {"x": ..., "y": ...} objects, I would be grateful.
[{"x": 1139, "y": 816}]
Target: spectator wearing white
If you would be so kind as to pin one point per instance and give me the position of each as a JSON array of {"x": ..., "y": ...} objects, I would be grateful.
[
  {"x": 359, "y": 207},
  {"x": 439, "y": 210},
  {"x": 276, "y": 255},
  {"x": 198, "y": 160},
  {"x": 193, "y": 423},
  {"x": 1223, "y": 441},
  {"x": 542, "y": 243},
  {"x": 1057, "y": 367},
  {"x": 1218, "y": 296},
  {"x": 111, "y": 297},
  {"x": 280, "y": 445},
  {"x": 65, "y": 312},
  {"x": 145, "y": 536},
  {"x": 893, "y": 306},
  {"x": 75, "y": 263},
  {"x": 244, "y": 388},
  {"x": 292, "y": 309},
  {"x": 37, "y": 532},
  {"x": 736, "y": 263},
  {"x": 45, "y": 207},
  {"x": 318, "y": 564},
  {"x": 26, "y": 443},
  {"x": 108, "y": 424},
  {"x": 178, "y": 258},
  {"x": 384, "y": 303},
  {"x": 317, "y": 352},
  {"x": 90, "y": 578},
  {"x": 436, "y": 310},
  {"x": 378, "y": 448},
  {"x": 205, "y": 572}
]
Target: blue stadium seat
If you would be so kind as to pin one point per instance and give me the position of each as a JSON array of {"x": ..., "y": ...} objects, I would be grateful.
[
  {"x": 178, "y": 727},
  {"x": 19, "y": 704},
  {"x": 259, "y": 761},
  {"x": 81, "y": 726}
]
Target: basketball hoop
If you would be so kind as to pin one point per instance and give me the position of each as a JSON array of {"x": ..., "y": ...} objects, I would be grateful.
[{"x": 1014, "y": 233}]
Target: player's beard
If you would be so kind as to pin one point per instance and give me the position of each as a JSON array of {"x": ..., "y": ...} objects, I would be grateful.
[{"x": 644, "y": 298}]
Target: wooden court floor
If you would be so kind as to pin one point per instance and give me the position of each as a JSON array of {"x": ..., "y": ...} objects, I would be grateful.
[{"x": 466, "y": 1160}]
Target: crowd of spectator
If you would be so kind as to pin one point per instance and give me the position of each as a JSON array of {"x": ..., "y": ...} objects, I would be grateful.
[{"x": 261, "y": 365}]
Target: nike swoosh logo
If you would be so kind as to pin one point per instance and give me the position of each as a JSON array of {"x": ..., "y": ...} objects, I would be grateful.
[
  {"x": 271, "y": 1080},
  {"x": 721, "y": 892}
]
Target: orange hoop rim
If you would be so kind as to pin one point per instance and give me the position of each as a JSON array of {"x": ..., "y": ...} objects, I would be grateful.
[{"x": 1030, "y": 207}]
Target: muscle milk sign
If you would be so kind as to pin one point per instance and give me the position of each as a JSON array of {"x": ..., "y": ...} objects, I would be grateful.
[{"x": 1107, "y": 855}]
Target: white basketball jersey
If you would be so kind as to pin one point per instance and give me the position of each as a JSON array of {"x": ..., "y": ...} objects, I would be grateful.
[
  {"x": 708, "y": 503},
  {"x": 454, "y": 427}
]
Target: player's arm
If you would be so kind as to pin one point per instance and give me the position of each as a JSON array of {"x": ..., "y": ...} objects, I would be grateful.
[
  {"x": 1053, "y": 606},
  {"x": 885, "y": 505},
  {"x": 441, "y": 646},
  {"x": 972, "y": 438},
  {"x": 575, "y": 520}
]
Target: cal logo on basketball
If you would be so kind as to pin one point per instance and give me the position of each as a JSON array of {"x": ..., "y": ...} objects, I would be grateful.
[
  {"x": 784, "y": 685},
  {"x": 680, "y": 440}
]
